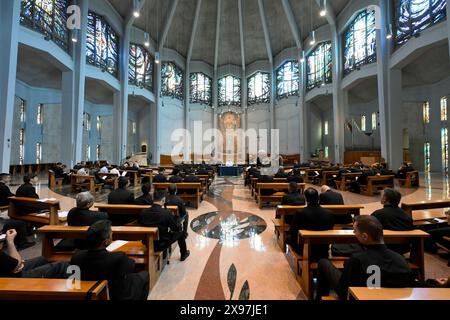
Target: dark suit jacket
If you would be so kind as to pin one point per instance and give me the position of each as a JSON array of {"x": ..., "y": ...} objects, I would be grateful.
[
  {"x": 312, "y": 218},
  {"x": 160, "y": 178},
  {"x": 144, "y": 200},
  {"x": 163, "y": 219},
  {"x": 175, "y": 179},
  {"x": 174, "y": 200},
  {"x": 266, "y": 179},
  {"x": 293, "y": 199},
  {"x": 191, "y": 179},
  {"x": 281, "y": 175},
  {"x": 4, "y": 194},
  {"x": 295, "y": 178},
  {"x": 26, "y": 190},
  {"x": 335, "y": 198},
  {"x": 121, "y": 196},
  {"x": 84, "y": 217}
]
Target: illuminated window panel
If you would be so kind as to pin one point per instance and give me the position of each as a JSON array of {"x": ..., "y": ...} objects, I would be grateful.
[
  {"x": 21, "y": 145},
  {"x": 326, "y": 128},
  {"x": 22, "y": 110},
  {"x": 48, "y": 17},
  {"x": 288, "y": 79},
  {"x": 97, "y": 152},
  {"x": 426, "y": 112},
  {"x": 363, "y": 123},
  {"x": 326, "y": 152},
  {"x": 140, "y": 70},
  {"x": 87, "y": 155},
  {"x": 374, "y": 121},
  {"x": 427, "y": 156},
  {"x": 229, "y": 91},
  {"x": 133, "y": 127},
  {"x": 172, "y": 80},
  {"x": 258, "y": 90},
  {"x": 444, "y": 109},
  {"x": 360, "y": 42},
  {"x": 413, "y": 16},
  {"x": 99, "y": 123},
  {"x": 102, "y": 44},
  {"x": 200, "y": 88},
  {"x": 444, "y": 146},
  {"x": 38, "y": 152},
  {"x": 40, "y": 114},
  {"x": 319, "y": 65}
]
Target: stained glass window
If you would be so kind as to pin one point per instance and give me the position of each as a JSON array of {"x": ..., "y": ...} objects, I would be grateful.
[
  {"x": 426, "y": 112},
  {"x": 102, "y": 44},
  {"x": 140, "y": 71},
  {"x": 38, "y": 152},
  {"x": 201, "y": 88},
  {"x": 258, "y": 90},
  {"x": 413, "y": 16},
  {"x": 87, "y": 155},
  {"x": 229, "y": 91},
  {"x": 97, "y": 153},
  {"x": 444, "y": 109},
  {"x": 427, "y": 156},
  {"x": 99, "y": 123},
  {"x": 22, "y": 110},
  {"x": 133, "y": 127},
  {"x": 374, "y": 121},
  {"x": 444, "y": 146},
  {"x": 48, "y": 17},
  {"x": 172, "y": 80},
  {"x": 360, "y": 42},
  {"x": 326, "y": 128},
  {"x": 288, "y": 80},
  {"x": 87, "y": 121},
  {"x": 326, "y": 152},
  {"x": 363, "y": 123},
  {"x": 318, "y": 66},
  {"x": 21, "y": 145},
  {"x": 40, "y": 114}
]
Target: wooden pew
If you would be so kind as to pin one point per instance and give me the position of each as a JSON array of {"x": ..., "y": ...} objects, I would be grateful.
[
  {"x": 421, "y": 214},
  {"x": 280, "y": 188},
  {"x": 52, "y": 206},
  {"x": 51, "y": 289},
  {"x": 411, "y": 180},
  {"x": 128, "y": 209},
  {"x": 310, "y": 174},
  {"x": 382, "y": 182},
  {"x": 195, "y": 198},
  {"x": 53, "y": 182},
  {"x": 111, "y": 178},
  {"x": 326, "y": 175},
  {"x": 363, "y": 293},
  {"x": 78, "y": 182},
  {"x": 134, "y": 176},
  {"x": 347, "y": 179},
  {"x": 282, "y": 228},
  {"x": 143, "y": 255},
  {"x": 311, "y": 238}
]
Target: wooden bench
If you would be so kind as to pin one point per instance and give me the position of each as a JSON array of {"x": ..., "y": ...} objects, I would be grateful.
[
  {"x": 422, "y": 213},
  {"x": 194, "y": 198},
  {"x": 311, "y": 238},
  {"x": 144, "y": 256},
  {"x": 280, "y": 188},
  {"x": 128, "y": 210},
  {"x": 382, "y": 182},
  {"x": 111, "y": 179},
  {"x": 80, "y": 182},
  {"x": 346, "y": 179},
  {"x": 363, "y": 293},
  {"x": 53, "y": 182},
  {"x": 326, "y": 175},
  {"x": 52, "y": 206},
  {"x": 411, "y": 180},
  {"x": 282, "y": 227},
  {"x": 310, "y": 174},
  {"x": 134, "y": 176},
  {"x": 51, "y": 289}
]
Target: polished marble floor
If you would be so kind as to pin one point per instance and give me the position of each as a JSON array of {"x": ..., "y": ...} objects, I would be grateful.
[{"x": 234, "y": 253}]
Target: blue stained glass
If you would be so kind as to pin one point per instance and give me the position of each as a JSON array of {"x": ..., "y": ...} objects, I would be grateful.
[
  {"x": 140, "y": 71},
  {"x": 360, "y": 41},
  {"x": 319, "y": 65},
  {"x": 201, "y": 88},
  {"x": 172, "y": 80},
  {"x": 258, "y": 90},
  {"x": 413, "y": 16},
  {"x": 288, "y": 79},
  {"x": 229, "y": 91}
]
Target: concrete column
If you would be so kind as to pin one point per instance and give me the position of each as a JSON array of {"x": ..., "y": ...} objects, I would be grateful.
[
  {"x": 272, "y": 122},
  {"x": 187, "y": 92},
  {"x": 157, "y": 113},
  {"x": 448, "y": 23},
  {"x": 73, "y": 97},
  {"x": 9, "y": 21},
  {"x": 33, "y": 131},
  {"x": 303, "y": 114}
]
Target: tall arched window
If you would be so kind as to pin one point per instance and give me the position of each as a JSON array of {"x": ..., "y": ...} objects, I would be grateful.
[
  {"x": 140, "y": 71},
  {"x": 48, "y": 17},
  {"x": 229, "y": 91},
  {"x": 360, "y": 41},
  {"x": 319, "y": 65},
  {"x": 288, "y": 80},
  {"x": 172, "y": 80},
  {"x": 258, "y": 90},
  {"x": 413, "y": 16},
  {"x": 201, "y": 88},
  {"x": 102, "y": 44}
]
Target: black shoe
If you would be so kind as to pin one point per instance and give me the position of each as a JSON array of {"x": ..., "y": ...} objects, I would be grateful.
[
  {"x": 185, "y": 255},
  {"x": 26, "y": 245},
  {"x": 445, "y": 255}
]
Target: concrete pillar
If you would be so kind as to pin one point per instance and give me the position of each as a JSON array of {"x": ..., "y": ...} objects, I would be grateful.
[
  {"x": 9, "y": 21},
  {"x": 448, "y": 23},
  {"x": 186, "y": 108},
  {"x": 303, "y": 114},
  {"x": 272, "y": 122},
  {"x": 73, "y": 97},
  {"x": 157, "y": 113}
]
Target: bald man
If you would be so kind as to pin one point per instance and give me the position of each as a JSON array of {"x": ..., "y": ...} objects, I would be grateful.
[{"x": 330, "y": 197}]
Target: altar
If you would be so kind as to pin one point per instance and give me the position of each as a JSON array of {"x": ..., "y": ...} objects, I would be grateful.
[{"x": 230, "y": 171}]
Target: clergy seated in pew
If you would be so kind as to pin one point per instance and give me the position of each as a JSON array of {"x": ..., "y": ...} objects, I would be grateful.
[
  {"x": 173, "y": 200},
  {"x": 121, "y": 195},
  {"x": 329, "y": 197},
  {"x": 146, "y": 198},
  {"x": 110, "y": 179},
  {"x": 295, "y": 176},
  {"x": 273, "y": 192},
  {"x": 117, "y": 268},
  {"x": 12, "y": 265},
  {"x": 280, "y": 173},
  {"x": 160, "y": 177},
  {"x": 395, "y": 271},
  {"x": 38, "y": 212},
  {"x": 79, "y": 182},
  {"x": 169, "y": 226},
  {"x": 176, "y": 177},
  {"x": 194, "y": 199},
  {"x": 27, "y": 190}
]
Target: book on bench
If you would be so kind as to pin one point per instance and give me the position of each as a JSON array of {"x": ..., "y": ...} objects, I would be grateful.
[
  {"x": 62, "y": 215},
  {"x": 116, "y": 245}
]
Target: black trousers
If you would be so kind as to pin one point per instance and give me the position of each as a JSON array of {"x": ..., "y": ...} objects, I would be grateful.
[
  {"x": 21, "y": 228},
  {"x": 185, "y": 223},
  {"x": 176, "y": 236},
  {"x": 40, "y": 268},
  {"x": 437, "y": 236},
  {"x": 327, "y": 278}
]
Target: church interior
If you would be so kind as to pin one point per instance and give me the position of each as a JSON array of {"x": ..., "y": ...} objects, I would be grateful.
[{"x": 224, "y": 150}]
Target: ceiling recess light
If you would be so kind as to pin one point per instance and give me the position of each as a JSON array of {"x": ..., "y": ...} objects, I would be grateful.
[
  {"x": 313, "y": 39},
  {"x": 302, "y": 56},
  {"x": 75, "y": 35},
  {"x": 323, "y": 12},
  {"x": 157, "y": 57},
  {"x": 389, "y": 33},
  {"x": 136, "y": 13},
  {"x": 146, "y": 39}
]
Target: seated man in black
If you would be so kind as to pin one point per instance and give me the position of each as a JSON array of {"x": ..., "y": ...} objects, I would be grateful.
[
  {"x": 281, "y": 173},
  {"x": 392, "y": 217},
  {"x": 81, "y": 215},
  {"x": 293, "y": 198},
  {"x": 146, "y": 198},
  {"x": 175, "y": 178},
  {"x": 97, "y": 263},
  {"x": 395, "y": 271},
  {"x": 173, "y": 200},
  {"x": 168, "y": 225},
  {"x": 330, "y": 197},
  {"x": 27, "y": 190},
  {"x": 295, "y": 176},
  {"x": 160, "y": 177},
  {"x": 266, "y": 179},
  {"x": 202, "y": 170},
  {"x": 190, "y": 178},
  {"x": 313, "y": 218},
  {"x": 59, "y": 172},
  {"x": 13, "y": 266},
  {"x": 401, "y": 173},
  {"x": 121, "y": 195}
]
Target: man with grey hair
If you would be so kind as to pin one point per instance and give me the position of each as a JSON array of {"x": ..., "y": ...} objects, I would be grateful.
[{"x": 81, "y": 216}]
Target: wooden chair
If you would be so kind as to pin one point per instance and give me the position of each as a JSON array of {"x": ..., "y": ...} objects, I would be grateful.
[
  {"x": 280, "y": 188},
  {"x": 52, "y": 206},
  {"x": 144, "y": 256},
  {"x": 51, "y": 289},
  {"x": 53, "y": 182},
  {"x": 382, "y": 182},
  {"x": 411, "y": 180}
]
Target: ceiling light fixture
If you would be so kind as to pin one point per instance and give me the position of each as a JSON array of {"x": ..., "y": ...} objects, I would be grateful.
[
  {"x": 313, "y": 38},
  {"x": 323, "y": 11},
  {"x": 157, "y": 57},
  {"x": 146, "y": 39},
  {"x": 302, "y": 56},
  {"x": 389, "y": 33},
  {"x": 75, "y": 35},
  {"x": 136, "y": 13}
]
